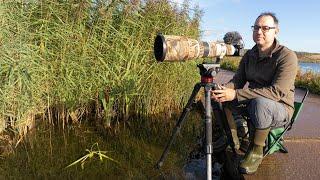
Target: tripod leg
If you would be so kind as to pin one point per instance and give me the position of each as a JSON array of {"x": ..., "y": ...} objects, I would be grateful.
[
  {"x": 208, "y": 121},
  {"x": 229, "y": 164},
  {"x": 221, "y": 119},
  {"x": 181, "y": 119}
]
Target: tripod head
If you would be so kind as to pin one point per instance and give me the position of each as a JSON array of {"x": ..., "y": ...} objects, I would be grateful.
[{"x": 209, "y": 71}]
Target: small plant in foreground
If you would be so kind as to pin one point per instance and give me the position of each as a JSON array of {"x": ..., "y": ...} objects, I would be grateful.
[{"x": 91, "y": 153}]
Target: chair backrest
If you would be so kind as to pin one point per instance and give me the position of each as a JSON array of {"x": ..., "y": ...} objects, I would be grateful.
[{"x": 298, "y": 107}]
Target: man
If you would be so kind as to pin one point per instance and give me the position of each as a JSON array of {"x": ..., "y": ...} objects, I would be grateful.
[{"x": 270, "y": 69}]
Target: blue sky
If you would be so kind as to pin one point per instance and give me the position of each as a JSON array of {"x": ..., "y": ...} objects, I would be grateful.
[{"x": 299, "y": 20}]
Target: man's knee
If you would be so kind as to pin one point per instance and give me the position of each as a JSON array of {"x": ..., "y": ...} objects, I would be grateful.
[
  {"x": 260, "y": 110},
  {"x": 261, "y": 102}
]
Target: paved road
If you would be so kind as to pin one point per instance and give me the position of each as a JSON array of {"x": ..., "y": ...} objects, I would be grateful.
[{"x": 302, "y": 141}]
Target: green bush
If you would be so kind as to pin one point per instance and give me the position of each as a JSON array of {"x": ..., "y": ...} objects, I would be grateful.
[
  {"x": 309, "y": 80},
  {"x": 230, "y": 63}
]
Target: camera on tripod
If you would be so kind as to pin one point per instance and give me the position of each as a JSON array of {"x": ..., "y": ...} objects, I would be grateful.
[{"x": 170, "y": 48}]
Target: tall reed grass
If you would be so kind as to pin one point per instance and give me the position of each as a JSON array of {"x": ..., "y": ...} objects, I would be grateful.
[{"x": 60, "y": 57}]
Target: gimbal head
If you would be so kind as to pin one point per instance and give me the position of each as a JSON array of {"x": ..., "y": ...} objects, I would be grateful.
[{"x": 209, "y": 69}]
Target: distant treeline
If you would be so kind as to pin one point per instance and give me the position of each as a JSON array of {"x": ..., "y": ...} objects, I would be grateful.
[
  {"x": 305, "y": 56},
  {"x": 299, "y": 53}
]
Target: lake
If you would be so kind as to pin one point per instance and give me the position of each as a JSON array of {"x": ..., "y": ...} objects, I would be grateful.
[{"x": 306, "y": 66}]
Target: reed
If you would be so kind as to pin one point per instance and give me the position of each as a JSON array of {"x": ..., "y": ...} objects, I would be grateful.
[
  {"x": 60, "y": 57},
  {"x": 78, "y": 152}
]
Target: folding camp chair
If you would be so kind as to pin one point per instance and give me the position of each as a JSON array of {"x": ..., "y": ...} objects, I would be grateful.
[{"x": 274, "y": 141}]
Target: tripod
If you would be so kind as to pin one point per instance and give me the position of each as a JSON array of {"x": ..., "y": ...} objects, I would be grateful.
[{"x": 207, "y": 72}]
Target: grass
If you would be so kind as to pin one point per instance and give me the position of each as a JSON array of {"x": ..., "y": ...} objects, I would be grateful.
[
  {"x": 91, "y": 153},
  {"x": 230, "y": 63},
  {"x": 309, "y": 80},
  {"x": 68, "y": 59},
  {"x": 46, "y": 152},
  {"x": 65, "y": 61}
]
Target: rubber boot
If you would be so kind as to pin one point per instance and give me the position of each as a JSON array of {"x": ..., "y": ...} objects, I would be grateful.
[
  {"x": 254, "y": 155},
  {"x": 233, "y": 128},
  {"x": 245, "y": 142}
]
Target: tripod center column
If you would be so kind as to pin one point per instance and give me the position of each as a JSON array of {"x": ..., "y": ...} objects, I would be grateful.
[{"x": 208, "y": 120}]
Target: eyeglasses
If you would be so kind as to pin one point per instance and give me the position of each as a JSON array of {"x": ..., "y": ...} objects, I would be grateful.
[{"x": 263, "y": 28}]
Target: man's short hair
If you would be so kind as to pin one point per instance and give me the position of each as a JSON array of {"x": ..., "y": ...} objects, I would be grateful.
[{"x": 273, "y": 15}]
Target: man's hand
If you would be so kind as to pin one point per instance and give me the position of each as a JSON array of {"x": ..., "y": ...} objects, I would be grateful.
[{"x": 223, "y": 94}]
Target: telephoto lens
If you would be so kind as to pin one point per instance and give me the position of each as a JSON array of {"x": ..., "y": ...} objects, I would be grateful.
[{"x": 171, "y": 48}]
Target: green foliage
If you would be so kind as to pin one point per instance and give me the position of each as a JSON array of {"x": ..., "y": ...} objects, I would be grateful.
[
  {"x": 309, "y": 80},
  {"x": 45, "y": 152},
  {"x": 92, "y": 153},
  {"x": 61, "y": 54},
  {"x": 231, "y": 63}
]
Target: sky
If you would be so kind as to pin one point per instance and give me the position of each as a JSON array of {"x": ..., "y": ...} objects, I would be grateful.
[{"x": 299, "y": 21}]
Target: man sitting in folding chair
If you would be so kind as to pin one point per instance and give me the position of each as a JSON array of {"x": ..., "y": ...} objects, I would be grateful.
[{"x": 270, "y": 69}]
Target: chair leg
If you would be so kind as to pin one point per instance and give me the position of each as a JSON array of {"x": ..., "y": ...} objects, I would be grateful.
[
  {"x": 265, "y": 148},
  {"x": 278, "y": 141},
  {"x": 283, "y": 149}
]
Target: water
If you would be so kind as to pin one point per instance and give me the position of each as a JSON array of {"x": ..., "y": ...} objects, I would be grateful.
[
  {"x": 306, "y": 66},
  {"x": 48, "y": 150}
]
